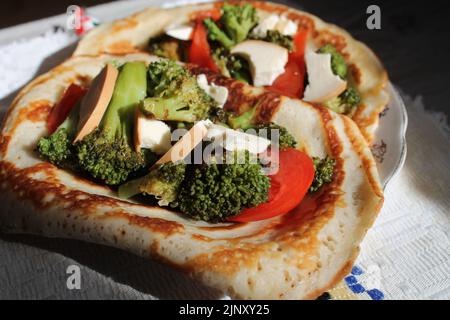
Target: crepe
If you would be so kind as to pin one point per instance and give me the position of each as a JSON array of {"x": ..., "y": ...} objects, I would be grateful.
[
  {"x": 295, "y": 256},
  {"x": 132, "y": 34}
]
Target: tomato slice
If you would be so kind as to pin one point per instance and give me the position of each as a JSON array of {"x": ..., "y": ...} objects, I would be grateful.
[
  {"x": 300, "y": 40},
  {"x": 288, "y": 187},
  {"x": 200, "y": 52},
  {"x": 213, "y": 14},
  {"x": 291, "y": 83},
  {"x": 61, "y": 110}
]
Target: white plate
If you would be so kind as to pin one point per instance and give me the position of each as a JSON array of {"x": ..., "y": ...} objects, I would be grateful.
[{"x": 389, "y": 148}]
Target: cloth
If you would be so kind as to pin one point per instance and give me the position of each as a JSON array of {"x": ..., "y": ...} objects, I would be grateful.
[{"x": 406, "y": 255}]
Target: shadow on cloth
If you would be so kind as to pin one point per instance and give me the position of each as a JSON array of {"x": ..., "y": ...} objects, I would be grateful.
[
  {"x": 49, "y": 63},
  {"x": 145, "y": 275},
  {"x": 427, "y": 164}
]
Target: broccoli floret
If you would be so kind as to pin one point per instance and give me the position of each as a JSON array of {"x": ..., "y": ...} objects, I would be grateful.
[
  {"x": 323, "y": 172},
  {"x": 58, "y": 148},
  {"x": 338, "y": 64},
  {"x": 236, "y": 22},
  {"x": 231, "y": 65},
  {"x": 345, "y": 103},
  {"x": 215, "y": 34},
  {"x": 215, "y": 192},
  {"x": 175, "y": 94},
  {"x": 108, "y": 153},
  {"x": 166, "y": 47},
  {"x": 219, "y": 116},
  {"x": 276, "y": 37},
  {"x": 244, "y": 121},
  {"x": 165, "y": 78},
  {"x": 239, "y": 69},
  {"x": 162, "y": 182},
  {"x": 286, "y": 140}
]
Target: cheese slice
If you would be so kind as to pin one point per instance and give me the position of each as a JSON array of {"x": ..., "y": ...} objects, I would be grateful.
[
  {"x": 267, "y": 60},
  {"x": 96, "y": 100},
  {"x": 286, "y": 26},
  {"x": 267, "y": 23},
  {"x": 275, "y": 22},
  {"x": 186, "y": 144},
  {"x": 323, "y": 83},
  {"x": 151, "y": 134},
  {"x": 218, "y": 93},
  {"x": 180, "y": 31},
  {"x": 233, "y": 140}
]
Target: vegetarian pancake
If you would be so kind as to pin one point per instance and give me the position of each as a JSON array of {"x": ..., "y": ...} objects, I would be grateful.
[{"x": 55, "y": 187}]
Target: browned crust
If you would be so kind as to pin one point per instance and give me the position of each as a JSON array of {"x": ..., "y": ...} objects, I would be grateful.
[
  {"x": 122, "y": 47},
  {"x": 29, "y": 189},
  {"x": 358, "y": 147}
]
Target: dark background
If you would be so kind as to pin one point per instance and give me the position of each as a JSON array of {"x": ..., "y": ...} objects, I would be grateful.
[{"x": 413, "y": 42}]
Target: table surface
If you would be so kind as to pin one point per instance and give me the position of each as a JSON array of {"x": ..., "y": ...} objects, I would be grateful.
[{"x": 412, "y": 43}]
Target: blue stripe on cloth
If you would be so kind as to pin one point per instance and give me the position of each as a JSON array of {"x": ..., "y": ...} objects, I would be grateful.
[{"x": 375, "y": 294}]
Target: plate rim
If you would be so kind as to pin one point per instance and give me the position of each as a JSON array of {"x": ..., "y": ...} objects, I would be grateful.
[{"x": 396, "y": 96}]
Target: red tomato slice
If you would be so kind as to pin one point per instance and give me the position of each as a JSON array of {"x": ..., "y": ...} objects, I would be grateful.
[
  {"x": 291, "y": 82},
  {"x": 213, "y": 14},
  {"x": 300, "y": 39},
  {"x": 288, "y": 187},
  {"x": 199, "y": 52},
  {"x": 61, "y": 110}
]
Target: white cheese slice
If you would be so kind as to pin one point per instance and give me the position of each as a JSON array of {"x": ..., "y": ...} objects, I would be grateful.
[
  {"x": 152, "y": 134},
  {"x": 323, "y": 83},
  {"x": 286, "y": 26},
  {"x": 233, "y": 140},
  {"x": 267, "y": 23},
  {"x": 275, "y": 22},
  {"x": 180, "y": 31},
  {"x": 218, "y": 93},
  {"x": 267, "y": 60}
]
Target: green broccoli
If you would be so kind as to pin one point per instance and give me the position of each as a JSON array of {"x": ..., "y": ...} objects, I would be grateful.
[
  {"x": 162, "y": 182},
  {"x": 164, "y": 78},
  {"x": 215, "y": 192},
  {"x": 108, "y": 153},
  {"x": 323, "y": 172},
  {"x": 58, "y": 148},
  {"x": 215, "y": 34},
  {"x": 338, "y": 64},
  {"x": 231, "y": 65},
  {"x": 167, "y": 47},
  {"x": 345, "y": 103},
  {"x": 286, "y": 140},
  {"x": 243, "y": 121},
  {"x": 175, "y": 94},
  {"x": 236, "y": 22},
  {"x": 276, "y": 37}
]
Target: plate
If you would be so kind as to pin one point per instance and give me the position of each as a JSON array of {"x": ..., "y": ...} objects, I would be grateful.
[{"x": 389, "y": 148}]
